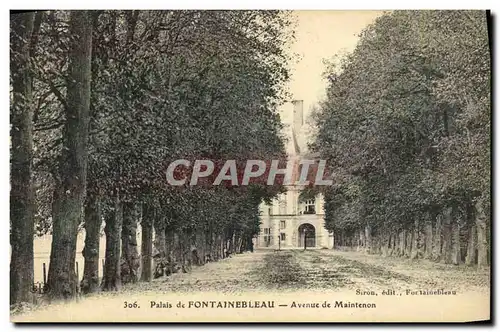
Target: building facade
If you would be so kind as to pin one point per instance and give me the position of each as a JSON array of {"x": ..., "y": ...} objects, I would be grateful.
[{"x": 290, "y": 222}]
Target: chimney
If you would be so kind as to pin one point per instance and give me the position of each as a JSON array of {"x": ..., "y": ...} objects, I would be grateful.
[{"x": 298, "y": 115}]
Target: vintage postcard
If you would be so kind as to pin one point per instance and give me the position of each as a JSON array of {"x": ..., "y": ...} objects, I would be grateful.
[{"x": 250, "y": 166}]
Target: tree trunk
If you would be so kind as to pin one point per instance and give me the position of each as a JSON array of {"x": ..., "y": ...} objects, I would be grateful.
[
  {"x": 415, "y": 240},
  {"x": 402, "y": 243},
  {"x": 239, "y": 248},
  {"x": 160, "y": 244},
  {"x": 368, "y": 239},
  {"x": 471, "y": 257},
  {"x": 169, "y": 243},
  {"x": 397, "y": 244},
  {"x": 386, "y": 248},
  {"x": 113, "y": 229},
  {"x": 408, "y": 241},
  {"x": 456, "y": 258},
  {"x": 446, "y": 251},
  {"x": 223, "y": 246},
  {"x": 147, "y": 243},
  {"x": 198, "y": 251},
  {"x": 160, "y": 248},
  {"x": 428, "y": 237},
  {"x": 210, "y": 255},
  {"x": 362, "y": 240},
  {"x": 22, "y": 199},
  {"x": 130, "y": 256},
  {"x": 90, "y": 281},
  {"x": 70, "y": 186},
  {"x": 201, "y": 240},
  {"x": 482, "y": 237},
  {"x": 213, "y": 247},
  {"x": 436, "y": 247},
  {"x": 177, "y": 248},
  {"x": 186, "y": 251}
]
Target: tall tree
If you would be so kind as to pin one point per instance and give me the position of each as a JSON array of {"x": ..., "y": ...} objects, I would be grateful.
[
  {"x": 69, "y": 194},
  {"x": 405, "y": 125},
  {"x": 21, "y": 195},
  {"x": 111, "y": 280},
  {"x": 93, "y": 220},
  {"x": 165, "y": 85}
]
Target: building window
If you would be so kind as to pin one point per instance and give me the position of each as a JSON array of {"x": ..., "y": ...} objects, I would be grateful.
[
  {"x": 310, "y": 206},
  {"x": 267, "y": 231},
  {"x": 269, "y": 211},
  {"x": 283, "y": 236},
  {"x": 282, "y": 224}
]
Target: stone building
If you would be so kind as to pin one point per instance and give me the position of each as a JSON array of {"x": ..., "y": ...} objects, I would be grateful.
[{"x": 289, "y": 222}]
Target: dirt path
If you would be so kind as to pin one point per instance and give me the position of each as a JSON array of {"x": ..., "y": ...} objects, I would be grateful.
[
  {"x": 375, "y": 270},
  {"x": 284, "y": 277}
]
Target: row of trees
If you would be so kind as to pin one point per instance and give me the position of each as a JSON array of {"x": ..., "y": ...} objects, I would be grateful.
[
  {"x": 406, "y": 124},
  {"x": 103, "y": 101}
]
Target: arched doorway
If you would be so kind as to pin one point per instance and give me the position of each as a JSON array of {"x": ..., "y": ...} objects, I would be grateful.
[{"x": 307, "y": 236}]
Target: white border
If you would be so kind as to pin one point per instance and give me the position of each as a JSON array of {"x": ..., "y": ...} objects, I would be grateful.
[{"x": 254, "y": 4}]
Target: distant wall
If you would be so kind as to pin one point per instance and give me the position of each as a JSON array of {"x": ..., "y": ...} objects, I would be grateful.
[{"x": 42, "y": 253}]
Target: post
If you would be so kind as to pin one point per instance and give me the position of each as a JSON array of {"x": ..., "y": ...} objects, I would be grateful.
[
  {"x": 43, "y": 287},
  {"x": 305, "y": 238},
  {"x": 44, "y": 275},
  {"x": 77, "y": 279}
]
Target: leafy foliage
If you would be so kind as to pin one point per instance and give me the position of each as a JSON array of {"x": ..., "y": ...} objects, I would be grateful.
[
  {"x": 168, "y": 85},
  {"x": 406, "y": 120}
]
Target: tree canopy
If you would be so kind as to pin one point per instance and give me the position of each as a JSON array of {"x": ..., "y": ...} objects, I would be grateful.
[{"x": 406, "y": 122}]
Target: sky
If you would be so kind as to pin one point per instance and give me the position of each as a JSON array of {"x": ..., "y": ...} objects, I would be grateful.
[{"x": 320, "y": 35}]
